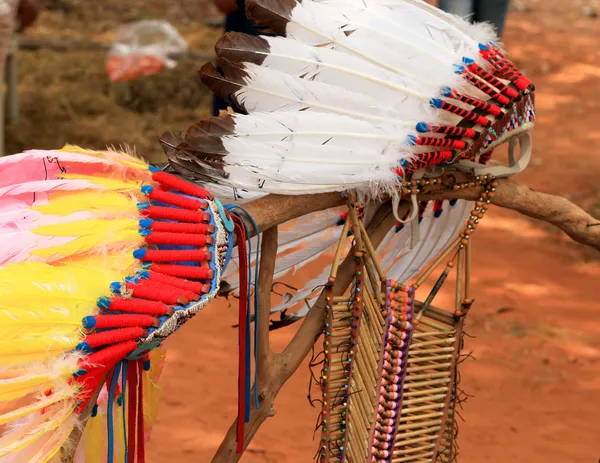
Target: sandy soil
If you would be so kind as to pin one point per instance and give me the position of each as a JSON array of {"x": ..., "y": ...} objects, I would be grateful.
[{"x": 535, "y": 379}]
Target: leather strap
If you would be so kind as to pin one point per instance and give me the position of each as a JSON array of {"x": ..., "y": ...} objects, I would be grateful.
[{"x": 516, "y": 165}]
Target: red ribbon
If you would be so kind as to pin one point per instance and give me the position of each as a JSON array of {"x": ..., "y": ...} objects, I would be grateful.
[{"x": 243, "y": 262}]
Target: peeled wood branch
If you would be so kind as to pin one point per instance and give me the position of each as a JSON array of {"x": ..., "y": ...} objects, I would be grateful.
[{"x": 560, "y": 212}]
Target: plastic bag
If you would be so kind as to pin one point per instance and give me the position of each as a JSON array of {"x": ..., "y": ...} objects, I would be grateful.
[{"x": 143, "y": 48}]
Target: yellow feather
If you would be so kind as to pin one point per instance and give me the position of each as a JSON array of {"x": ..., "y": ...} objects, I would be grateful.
[
  {"x": 151, "y": 386},
  {"x": 23, "y": 435},
  {"x": 56, "y": 441},
  {"x": 90, "y": 234},
  {"x": 120, "y": 157},
  {"x": 103, "y": 203},
  {"x": 107, "y": 183},
  {"x": 72, "y": 289},
  {"x": 20, "y": 387},
  {"x": 42, "y": 402},
  {"x": 95, "y": 439},
  {"x": 29, "y": 348}
]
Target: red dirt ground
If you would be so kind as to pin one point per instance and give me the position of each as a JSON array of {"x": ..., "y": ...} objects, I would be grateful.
[{"x": 536, "y": 320}]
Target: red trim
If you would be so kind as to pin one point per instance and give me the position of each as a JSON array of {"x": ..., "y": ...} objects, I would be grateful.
[
  {"x": 176, "y": 256},
  {"x": 184, "y": 271},
  {"x": 141, "y": 454},
  {"x": 195, "y": 228},
  {"x": 177, "y": 200},
  {"x": 243, "y": 308},
  {"x": 122, "y": 321},
  {"x": 171, "y": 213},
  {"x": 194, "y": 286},
  {"x": 132, "y": 408},
  {"x": 113, "y": 336},
  {"x": 156, "y": 293},
  {"x": 183, "y": 239},
  {"x": 175, "y": 183},
  {"x": 121, "y": 304}
]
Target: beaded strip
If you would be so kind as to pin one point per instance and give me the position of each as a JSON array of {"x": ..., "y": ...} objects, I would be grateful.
[{"x": 393, "y": 370}]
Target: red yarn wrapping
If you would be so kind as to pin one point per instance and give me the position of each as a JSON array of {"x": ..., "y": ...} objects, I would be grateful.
[
  {"x": 196, "y": 287},
  {"x": 423, "y": 160},
  {"x": 485, "y": 157},
  {"x": 441, "y": 142},
  {"x": 486, "y": 106},
  {"x": 493, "y": 93},
  {"x": 132, "y": 408},
  {"x": 176, "y": 183},
  {"x": 177, "y": 256},
  {"x": 109, "y": 356},
  {"x": 506, "y": 69},
  {"x": 243, "y": 254},
  {"x": 121, "y": 321},
  {"x": 184, "y": 271},
  {"x": 156, "y": 293},
  {"x": 452, "y": 131},
  {"x": 89, "y": 384},
  {"x": 171, "y": 213},
  {"x": 183, "y": 239},
  {"x": 468, "y": 115},
  {"x": 160, "y": 286},
  {"x": 156, "y": 308},
  {"x": 113, "y": 336},
  {"x": 177, "y": 200},
  {"x": 509, "y": 92},
  {"x": 175, "y": 227}
]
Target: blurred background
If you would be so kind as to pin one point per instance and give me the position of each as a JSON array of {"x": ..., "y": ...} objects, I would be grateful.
[{"x": 535, "y": 326}]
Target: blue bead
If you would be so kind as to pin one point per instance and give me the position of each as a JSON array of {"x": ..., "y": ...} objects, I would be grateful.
[
  {"x": 115, "y": 287},
  {"x": 83, "y": 346},
  {"x": 422, "y": 127},
  {"x": 467, "y": 60},
  {"x": 146, "y": 365},
  {"x": 144, "y": 232},
  {"x": 80, "y": 372},
  {"x": 139, "y": 253},
  {"x": 144, "y": 274},
  {"x": 147, "y": 189},
  {"x": 446, "y": 91},
  {"x": 153, "y": 169},
  {"x": 483, "y": 47},
  {"x": 104, "y": 302},
  {"x": 146, "y": 223},
  {"x": 435, "y": 102},
  {"x": 94, "y": 411},
  {"x": 143, "y": 206},
  {"x": 411, "y": 140},
  {"x": 89, "y": 322},
  {"x": 458, "y": 69}
]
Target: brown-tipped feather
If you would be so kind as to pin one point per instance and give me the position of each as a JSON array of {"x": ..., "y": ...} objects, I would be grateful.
[
  {"x": 216, "y": 126},
  {"x": 273, "y": 14},
  {"x": 235, "y": 46},
  {"x": 224, "y": 86}
]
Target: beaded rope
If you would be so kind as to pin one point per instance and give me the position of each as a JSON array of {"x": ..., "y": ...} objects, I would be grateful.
[{"x": 393, "y": 369}]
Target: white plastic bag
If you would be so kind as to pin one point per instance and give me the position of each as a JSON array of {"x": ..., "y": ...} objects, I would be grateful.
[{"x": 142, "y": 48}]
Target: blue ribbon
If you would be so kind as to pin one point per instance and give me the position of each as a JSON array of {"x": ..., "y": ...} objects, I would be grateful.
[
  {"x": 234, "y": 208},
  {"x": 109, "y": 414}
]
